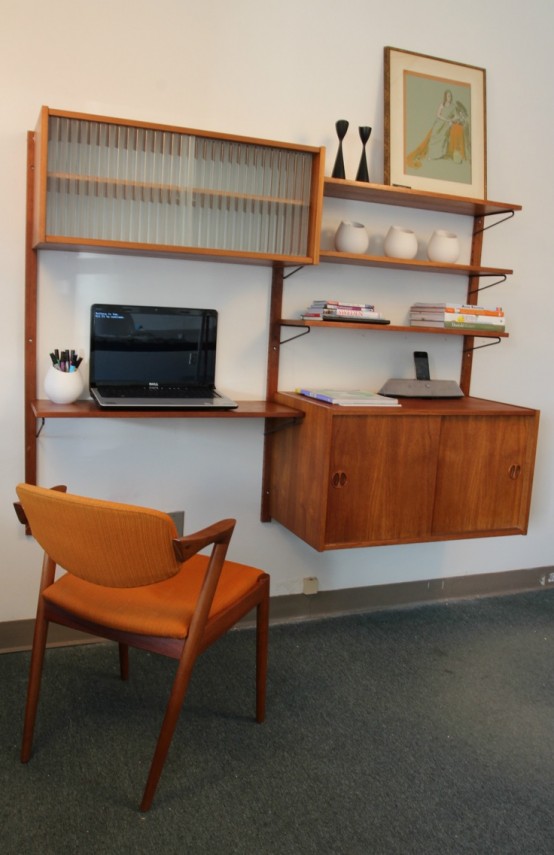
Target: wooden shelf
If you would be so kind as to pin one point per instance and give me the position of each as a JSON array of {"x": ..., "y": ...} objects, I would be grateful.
[
  {"x": 186, "y": 253},
  {"x": 383, "y": 194},
  {"x": 299, "y": 322},
  {"x": 44, "y": 409},
  {"x": 411, "y": 264},
  {"x": 154, "y": 192}
]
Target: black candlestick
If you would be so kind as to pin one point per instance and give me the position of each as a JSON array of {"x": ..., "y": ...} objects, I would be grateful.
[
  {"x": 363, "y": 174},
  {"x": 338, "y": 169}
]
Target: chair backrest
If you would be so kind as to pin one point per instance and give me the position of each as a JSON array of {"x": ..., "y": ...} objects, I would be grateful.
[{"x": 104, "y": 542}]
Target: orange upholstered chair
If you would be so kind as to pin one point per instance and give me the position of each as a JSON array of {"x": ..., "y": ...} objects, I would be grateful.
[{"x": 129, "y": 578}]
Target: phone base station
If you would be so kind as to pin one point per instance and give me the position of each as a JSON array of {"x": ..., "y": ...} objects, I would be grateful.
[{"x": 422, "y": 389}]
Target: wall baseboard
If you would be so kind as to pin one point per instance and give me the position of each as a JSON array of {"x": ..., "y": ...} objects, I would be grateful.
[
  {"x": 404, "y": 594},
  {"x": 17, "y": 636}
]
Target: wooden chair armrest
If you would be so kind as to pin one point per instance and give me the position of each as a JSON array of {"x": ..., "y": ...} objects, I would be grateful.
[
  {"x": 20, "y": 513},
  {"x": 22, "y": 516},
  {"x": 219, "y": 532}
]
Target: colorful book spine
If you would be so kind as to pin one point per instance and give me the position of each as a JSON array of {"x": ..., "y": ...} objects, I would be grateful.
[
  {"x": 351, "y": 313},
  {"x": 349, "y": 304},
  {"x": 319, "y": 396},
  {"x": 457, "y": 308},
  {"x": 475, "y": 310},
  {"x": 475, "y": 325},
  {"x": 451, "y": 318},
  {"x": 449, "y": 314}
]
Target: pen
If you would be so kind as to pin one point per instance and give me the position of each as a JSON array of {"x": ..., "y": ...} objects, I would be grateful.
[{"x": 65, "y": 360}]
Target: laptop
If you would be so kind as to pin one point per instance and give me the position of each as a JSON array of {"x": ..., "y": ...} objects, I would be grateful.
[{"x": 154, "y": 357}]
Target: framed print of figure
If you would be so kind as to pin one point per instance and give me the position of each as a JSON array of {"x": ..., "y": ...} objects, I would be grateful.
[{"x": 435, "y": 124}]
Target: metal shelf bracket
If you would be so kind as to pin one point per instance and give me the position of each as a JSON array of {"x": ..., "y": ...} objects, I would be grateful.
[
  {"x": 508, "y": 216},
  {"x": 468, "y": 350},
  {"x": 490, "y": 285},
  {"x": 292, "y": 272},
  {"x": 305, "y": 331}
]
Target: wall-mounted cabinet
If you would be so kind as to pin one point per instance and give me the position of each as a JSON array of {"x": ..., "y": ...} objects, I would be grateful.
[
  {"x": 129, "y": 186},
  {"x": 430, "y": 470}
]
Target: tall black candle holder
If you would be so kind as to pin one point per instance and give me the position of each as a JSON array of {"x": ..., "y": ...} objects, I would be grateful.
[
  {"x": 363, "y": 174},
  {"x": 338, "y": 169}
]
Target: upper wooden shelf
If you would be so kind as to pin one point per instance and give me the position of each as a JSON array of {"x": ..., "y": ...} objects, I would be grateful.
[
  {"x": 45, "y": 409},
  {"x": 383, "y": 194}
]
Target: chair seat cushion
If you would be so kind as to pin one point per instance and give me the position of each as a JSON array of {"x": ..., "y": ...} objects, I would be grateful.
[{"x": 162, "y": 609}]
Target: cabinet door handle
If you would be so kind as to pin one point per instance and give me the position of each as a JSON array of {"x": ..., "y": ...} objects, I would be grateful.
[
  {"x": 339, "y": 479},
  {"x": 514, "y": 471}
]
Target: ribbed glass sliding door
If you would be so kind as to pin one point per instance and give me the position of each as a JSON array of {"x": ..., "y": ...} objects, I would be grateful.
[{"x": 138, "y": 185}]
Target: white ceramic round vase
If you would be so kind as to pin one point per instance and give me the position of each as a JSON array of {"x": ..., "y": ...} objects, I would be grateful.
[
  {"x": 63, "y": 387},
  {"x": 400, "y": 243},
  {"x": 351, "y": 237},
  {"x": 443, "y": 246}
]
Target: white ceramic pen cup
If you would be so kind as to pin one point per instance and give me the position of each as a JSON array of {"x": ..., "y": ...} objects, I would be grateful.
[{"x": 63, "y": 387}]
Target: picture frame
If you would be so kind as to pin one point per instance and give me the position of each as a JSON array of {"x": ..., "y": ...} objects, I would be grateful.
[{"x": 435, "y": 124}]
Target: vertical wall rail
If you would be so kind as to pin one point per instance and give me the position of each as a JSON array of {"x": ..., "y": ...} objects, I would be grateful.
[
  {"x": 30, "y": 357},
  {"x": 472, "y": 299},
  {"x": 275, "y": 313}
]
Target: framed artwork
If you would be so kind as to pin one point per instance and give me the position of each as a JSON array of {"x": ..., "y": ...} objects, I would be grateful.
[{"x": 435, "y": 124}]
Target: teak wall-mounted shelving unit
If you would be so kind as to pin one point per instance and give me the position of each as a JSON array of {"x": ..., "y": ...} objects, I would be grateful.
[
  {"x": 101, "y": 184},
  {"x": 437, "y": 469},
  {"x": 110, "y": 185}
]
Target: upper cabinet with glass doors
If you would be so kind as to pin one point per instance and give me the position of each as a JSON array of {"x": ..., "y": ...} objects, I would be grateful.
[{"x": 112, "y": 184}]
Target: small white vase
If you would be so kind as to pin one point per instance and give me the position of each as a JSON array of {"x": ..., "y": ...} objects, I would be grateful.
[
  {"x": 351, "y": 237},
  {"x": 443, "y": 246},
  {"x": 63, "y": 387},
  {"x": 400, "y": 243}
]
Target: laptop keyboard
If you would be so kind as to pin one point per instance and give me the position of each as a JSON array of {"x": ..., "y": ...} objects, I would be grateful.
[{"x": 149, "y": 392}]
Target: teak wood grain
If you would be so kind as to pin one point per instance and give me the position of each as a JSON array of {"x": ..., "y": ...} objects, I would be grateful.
[{"x": 427, "y": 470}]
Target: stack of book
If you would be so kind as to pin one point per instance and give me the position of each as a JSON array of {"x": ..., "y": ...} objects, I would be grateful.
[
  {"x": 350, "y": 397},
  {"x": 457, "y": 316},
  {"x": 328, "y": 310}
]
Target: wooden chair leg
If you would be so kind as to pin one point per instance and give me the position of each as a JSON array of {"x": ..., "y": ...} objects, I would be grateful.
[
  {"x": 124, "y": 661},
  {"x": 33, "y": 688},
  {"x": 173, "y": 709},
  {"x": 262, "y": 641}
]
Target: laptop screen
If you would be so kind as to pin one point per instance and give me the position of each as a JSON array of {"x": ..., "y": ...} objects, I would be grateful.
[{"x": 141, "y": 345}]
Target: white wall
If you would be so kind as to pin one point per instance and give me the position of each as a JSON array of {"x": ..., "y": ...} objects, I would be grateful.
[{"x": 286, "y": 70}]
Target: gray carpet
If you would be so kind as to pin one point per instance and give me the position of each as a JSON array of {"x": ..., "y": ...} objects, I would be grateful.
[{"x": 427, "y": 730}]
